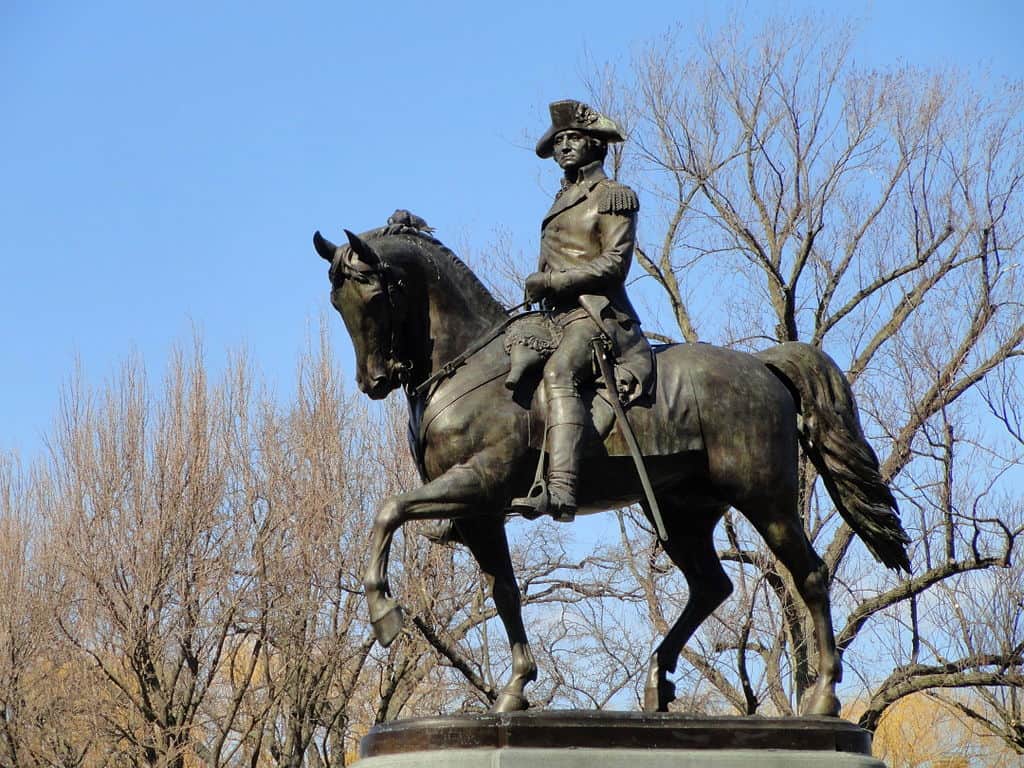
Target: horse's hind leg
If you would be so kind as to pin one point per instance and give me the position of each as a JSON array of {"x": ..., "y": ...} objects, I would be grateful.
[
  {"x": 485, "y": 537},
  {"x": 780, "y": 526},
  {"x": 692, "y": 549}
]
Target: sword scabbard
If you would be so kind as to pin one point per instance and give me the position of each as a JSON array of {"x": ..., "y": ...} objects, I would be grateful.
[{"x": 627, "y": 430}]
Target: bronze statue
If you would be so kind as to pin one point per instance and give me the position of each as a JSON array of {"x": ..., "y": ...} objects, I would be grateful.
[
  {"x": 586, "y": 248},
  {"x": 718, "y": 428}
]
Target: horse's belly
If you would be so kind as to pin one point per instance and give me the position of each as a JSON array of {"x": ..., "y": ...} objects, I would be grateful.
[{"x": 612, "y": 482}]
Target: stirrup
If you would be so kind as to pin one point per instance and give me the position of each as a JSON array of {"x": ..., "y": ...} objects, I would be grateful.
[
  {"x": 534, "y": 504},
  {"x": 537, "y": 503}
]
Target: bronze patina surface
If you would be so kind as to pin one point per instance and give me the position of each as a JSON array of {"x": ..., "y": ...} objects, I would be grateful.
[
  {"x": 587, "y": 241},
  {"x": 719, "y": 428}
]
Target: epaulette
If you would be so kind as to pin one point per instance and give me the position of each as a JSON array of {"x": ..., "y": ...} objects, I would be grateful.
[{"x": 617, "y": 198}]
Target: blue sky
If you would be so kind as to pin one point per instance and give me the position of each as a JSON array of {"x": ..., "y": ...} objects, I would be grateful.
[{"x": 165, "y": 165}]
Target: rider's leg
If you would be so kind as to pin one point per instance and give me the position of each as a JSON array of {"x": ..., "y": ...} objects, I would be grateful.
[
  {"x": 571, "y": 364},
  {"x": 566, "y": 422}
]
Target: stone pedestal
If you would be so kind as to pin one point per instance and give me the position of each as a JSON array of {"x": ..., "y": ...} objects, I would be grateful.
[{"x": 589, "y": 739}]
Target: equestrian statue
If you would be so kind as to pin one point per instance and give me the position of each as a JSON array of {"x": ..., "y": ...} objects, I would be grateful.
[{"x": 567, "y": 409}]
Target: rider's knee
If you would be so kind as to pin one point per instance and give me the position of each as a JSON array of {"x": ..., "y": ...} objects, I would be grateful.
[{"x": 557, "y": 374}]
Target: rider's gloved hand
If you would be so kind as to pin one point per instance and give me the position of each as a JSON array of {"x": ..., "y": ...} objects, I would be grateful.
[{"x": 538, "y": 286}]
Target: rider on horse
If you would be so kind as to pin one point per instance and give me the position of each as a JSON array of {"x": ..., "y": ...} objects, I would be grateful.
[{"x": 586, "y": 247}]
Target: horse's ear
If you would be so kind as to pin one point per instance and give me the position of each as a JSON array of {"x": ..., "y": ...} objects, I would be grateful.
[
  {"x": 323, "y": 246},
  {"x": 362, "y": 251}
]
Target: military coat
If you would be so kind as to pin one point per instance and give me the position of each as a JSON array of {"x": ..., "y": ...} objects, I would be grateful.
[{"x": 586, "y": 245}]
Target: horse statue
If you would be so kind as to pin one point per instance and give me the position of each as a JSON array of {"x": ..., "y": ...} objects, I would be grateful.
[{"x": 722, "y": 431}]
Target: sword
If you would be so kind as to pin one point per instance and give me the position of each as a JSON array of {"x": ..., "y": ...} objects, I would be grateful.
[{"x": 627, "y": 430}]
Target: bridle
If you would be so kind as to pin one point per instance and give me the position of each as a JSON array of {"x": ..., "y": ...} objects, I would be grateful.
[{"x": 395, "y": 360}]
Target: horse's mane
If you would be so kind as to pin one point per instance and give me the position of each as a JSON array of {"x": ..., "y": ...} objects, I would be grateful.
[{"x": 428, "y": 246}]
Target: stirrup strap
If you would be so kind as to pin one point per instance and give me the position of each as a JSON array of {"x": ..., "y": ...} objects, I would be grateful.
[{"x": 539, "y": 483}]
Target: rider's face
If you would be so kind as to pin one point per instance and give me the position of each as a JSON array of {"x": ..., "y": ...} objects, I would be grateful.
[{"x": 573, "y": 150}]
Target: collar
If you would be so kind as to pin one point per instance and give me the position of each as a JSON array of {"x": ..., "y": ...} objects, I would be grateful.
[{"x": 587, "y": 175}]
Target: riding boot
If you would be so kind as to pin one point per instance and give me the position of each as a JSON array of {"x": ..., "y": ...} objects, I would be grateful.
[
  {"x": 565, "y": 438},
  {"x": 566, "y": 422}
]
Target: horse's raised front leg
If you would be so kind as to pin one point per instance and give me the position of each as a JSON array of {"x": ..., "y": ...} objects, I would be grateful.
[
  {"x": 485, "y": 537},
  {"x": 453, "y": 494}
]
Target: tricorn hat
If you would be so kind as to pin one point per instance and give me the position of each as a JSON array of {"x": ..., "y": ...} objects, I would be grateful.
[{"x": 572, "y": 115}]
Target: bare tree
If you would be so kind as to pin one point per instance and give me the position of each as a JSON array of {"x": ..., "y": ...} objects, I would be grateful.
[
  {"x": 876, "y": 214},
  {"x": 184, "y": 573},
  {"x": 148, "y": 545},
  {"x": 19, "y": 634},
  {"x": 189, "y": 561},
  {"x": 984, "y": 645},
  {"x": 40, "y": 683}
]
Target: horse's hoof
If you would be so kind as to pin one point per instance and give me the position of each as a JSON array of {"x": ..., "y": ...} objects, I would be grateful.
[
  {"x": 658, "y": 697},
  {"x": 659, "y": 691},
  {"x": 650, "y": 699},
  {"x": 510, "y": 701},
  {"x": 388, "y": 624},
  {"x": 821, "y": 705}
]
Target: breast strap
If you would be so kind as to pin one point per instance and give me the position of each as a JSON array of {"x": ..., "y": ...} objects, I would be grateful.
[{"x": 460, "y": 386}]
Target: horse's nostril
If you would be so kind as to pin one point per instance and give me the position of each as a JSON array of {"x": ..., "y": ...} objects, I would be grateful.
[{"x": 370, "y": 385}]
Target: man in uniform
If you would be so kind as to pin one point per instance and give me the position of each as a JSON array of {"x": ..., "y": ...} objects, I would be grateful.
[{"x": 586, "y": 247}]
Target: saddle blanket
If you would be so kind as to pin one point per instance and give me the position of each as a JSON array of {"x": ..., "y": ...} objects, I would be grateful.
[{"x": 667, "y": 424}]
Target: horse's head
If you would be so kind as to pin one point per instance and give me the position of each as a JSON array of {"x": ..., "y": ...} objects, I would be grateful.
[{"x": 370, "y": 297}]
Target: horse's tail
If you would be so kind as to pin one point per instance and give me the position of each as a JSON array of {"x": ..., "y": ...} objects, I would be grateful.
[{"x": 831, "y": 435}]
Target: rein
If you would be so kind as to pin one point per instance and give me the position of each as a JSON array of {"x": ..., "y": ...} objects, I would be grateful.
[
  {"x": 482, "y": 341},
  {"x": 380, "y": 271}
]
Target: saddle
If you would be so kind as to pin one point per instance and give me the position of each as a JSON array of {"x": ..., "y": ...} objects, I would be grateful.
[
  {"x": 517, "y": 354},
  {"x": 529, "y": 342}
]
